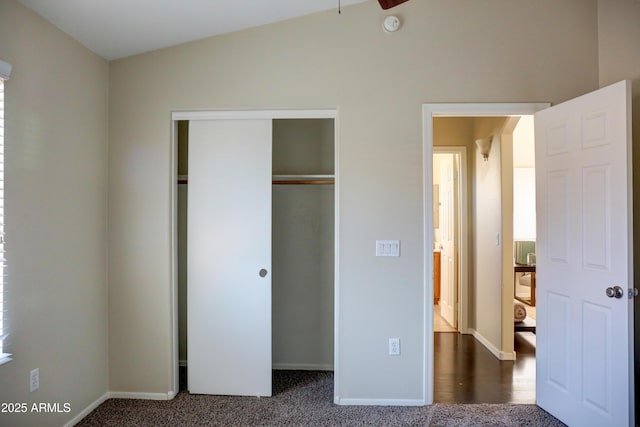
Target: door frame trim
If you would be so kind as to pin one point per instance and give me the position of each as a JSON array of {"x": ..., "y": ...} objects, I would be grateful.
[
  {"x": 429, "y": 111},
  {"x": 317, "y": 113}
]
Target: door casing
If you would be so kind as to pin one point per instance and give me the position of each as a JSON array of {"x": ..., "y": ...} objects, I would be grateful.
[
  {"x": 242, "y": 115},
  {"x": 429, "y": 111}
]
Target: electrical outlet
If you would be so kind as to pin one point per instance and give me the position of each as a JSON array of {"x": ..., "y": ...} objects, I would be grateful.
[
  {"x": 394, "y": 346},
  {"x": 34, "y": 379}
]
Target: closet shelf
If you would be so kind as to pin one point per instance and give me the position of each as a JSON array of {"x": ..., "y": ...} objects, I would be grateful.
[{"x": 303, "y": 179}]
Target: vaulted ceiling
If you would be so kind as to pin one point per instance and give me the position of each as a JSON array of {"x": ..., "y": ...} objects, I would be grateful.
[{"x": 118, "y": 28}]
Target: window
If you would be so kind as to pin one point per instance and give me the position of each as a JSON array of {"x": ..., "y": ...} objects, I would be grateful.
[{"x": 4, "y": 356}]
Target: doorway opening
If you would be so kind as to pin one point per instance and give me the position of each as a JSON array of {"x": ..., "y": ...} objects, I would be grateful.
[
  {"x": 489, "y": 290},
  {"x": 302, "y": 275}
]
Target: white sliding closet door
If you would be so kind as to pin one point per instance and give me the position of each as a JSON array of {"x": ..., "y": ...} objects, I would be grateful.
[{"x": 229, "y": 257}]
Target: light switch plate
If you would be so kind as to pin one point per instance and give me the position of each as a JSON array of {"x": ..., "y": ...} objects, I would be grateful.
[{"x": 387, "y": 247}]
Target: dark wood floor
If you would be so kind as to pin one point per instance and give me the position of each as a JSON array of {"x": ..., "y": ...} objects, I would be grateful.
[{"x": 466, "y": 372}]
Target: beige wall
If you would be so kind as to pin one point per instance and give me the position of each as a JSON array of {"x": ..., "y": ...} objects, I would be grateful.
[
  {"x": 619, "y": 33},
  {"x": 453, "y": 131},
  {"x": 506, "y": 239},
  {"x": 378, "y": 82},
  {"x": 56, "y": 148},
  {"x": 488, "y": 234}
]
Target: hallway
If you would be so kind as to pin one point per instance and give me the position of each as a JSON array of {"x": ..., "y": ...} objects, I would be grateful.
[{"x": 466, "y": 372}]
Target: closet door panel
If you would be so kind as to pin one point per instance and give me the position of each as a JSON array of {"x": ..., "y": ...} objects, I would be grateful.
[{"x": 229, "y": 257}]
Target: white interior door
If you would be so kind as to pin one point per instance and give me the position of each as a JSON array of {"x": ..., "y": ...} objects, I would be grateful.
[
  {"x": 584, "y": 246},
  {"x": 448, "y": 230},
  {"x": 229, "y": 257}
]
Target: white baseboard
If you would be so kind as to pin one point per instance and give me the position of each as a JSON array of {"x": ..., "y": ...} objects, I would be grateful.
[
  {"x": 501, "y": 355},
  {"x": 379, "y": 402},
  {"x": 303, "y": 366},
  {"x": 86, "y": 411}
]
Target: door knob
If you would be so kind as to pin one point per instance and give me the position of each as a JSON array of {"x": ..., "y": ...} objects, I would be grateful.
[
  {"x": 615, "y": 292},
  {"x": 263, "y": 272}
]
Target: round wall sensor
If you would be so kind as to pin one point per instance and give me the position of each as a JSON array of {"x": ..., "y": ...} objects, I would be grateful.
[{"x": 391, "y": 23}]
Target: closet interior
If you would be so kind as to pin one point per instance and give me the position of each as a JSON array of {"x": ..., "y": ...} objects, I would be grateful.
[
  {"x": 302, "y": 263},
  {"x": 303, "y": 243}
]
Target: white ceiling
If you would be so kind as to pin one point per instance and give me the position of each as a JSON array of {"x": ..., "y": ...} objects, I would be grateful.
[{"x": 118, "y": 28}]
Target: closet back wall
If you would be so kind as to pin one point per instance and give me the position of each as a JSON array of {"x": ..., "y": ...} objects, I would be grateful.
[
  {"x": 183, "y": 188},
  {"x": 303, "y": 246}
]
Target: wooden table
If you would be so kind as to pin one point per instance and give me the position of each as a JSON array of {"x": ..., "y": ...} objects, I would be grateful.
[{"x": 521, "y": 268}]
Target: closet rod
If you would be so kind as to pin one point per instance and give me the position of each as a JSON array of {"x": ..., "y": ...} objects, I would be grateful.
[
  {"x": 303, "y": 182},
  {"x": 303, "y": 179}
]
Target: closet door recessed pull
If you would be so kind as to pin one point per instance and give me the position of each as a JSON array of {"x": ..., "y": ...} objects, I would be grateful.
[{"x": 263, "y": 272}]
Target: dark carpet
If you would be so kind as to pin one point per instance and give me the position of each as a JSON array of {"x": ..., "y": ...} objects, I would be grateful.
[{"x": 305, "y": 398}]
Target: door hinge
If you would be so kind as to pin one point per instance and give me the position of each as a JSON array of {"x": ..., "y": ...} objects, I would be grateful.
[{"x": 633, "y": 292}]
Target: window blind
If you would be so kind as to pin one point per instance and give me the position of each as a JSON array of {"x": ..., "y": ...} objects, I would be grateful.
[{"x": 4, "y": 355}]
